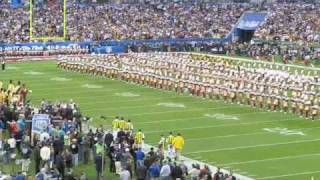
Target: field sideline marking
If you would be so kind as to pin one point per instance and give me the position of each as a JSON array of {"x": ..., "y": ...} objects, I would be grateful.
[
  {"x": 222, "y": 125},
  {"x": 254, "y": 146},
  {"x": 289, "y": 175},
  {"x": 271, "y": 159}
]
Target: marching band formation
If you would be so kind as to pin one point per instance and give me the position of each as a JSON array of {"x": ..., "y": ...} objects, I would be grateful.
[{"x": 208, "y": 77}]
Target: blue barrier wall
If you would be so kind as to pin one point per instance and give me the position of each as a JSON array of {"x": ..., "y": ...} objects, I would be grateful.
[{"x": 110, "y": 46}]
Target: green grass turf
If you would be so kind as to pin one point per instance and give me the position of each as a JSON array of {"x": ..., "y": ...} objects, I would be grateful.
[{"x": 241, "y": 145}]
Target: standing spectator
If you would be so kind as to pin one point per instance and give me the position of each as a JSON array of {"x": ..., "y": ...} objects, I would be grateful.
[
  {"x": 99, "y": 164},
  {"x": 86, "y": 149},
  {"x": 194, "y": 172},
  {"x": 165, "y": 171},
  {"x": 26, "y": 153},
  {"x": 139, "y": 157},
  {"x": 177, "y": 172},
  {"x": 45, "y": 153},
  {"x": 6, "y": 149},
  {"x": 74, "y": 149},
  {"x": 12, "y": 142},
  {"x": 68, "y": 159},
  {"x": 141, "y": 172},
  {"x": 108, "y": 139},
  {"x": 154, "y": 170},
  {"x": 60, "y": 163},
  {"x": 37, "y": 157},
  {"x": 218, "y": 175},
  {"x": 44, "y": 136},
  {"x": 2, "y": 127},
  {"x": 125, "y": 174}
]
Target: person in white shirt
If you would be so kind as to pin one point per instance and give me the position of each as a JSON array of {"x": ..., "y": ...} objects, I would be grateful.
[
  {"x": 12, "y": 143},
  {"x": 194, "y": 172},
  {"x": 125, "y": 175},
  {"x": 45, "y": 153},
  {"x": 44, "y": 136},
  {"x": 165, "y": 171},
  {"x": 171, "y": 152}
]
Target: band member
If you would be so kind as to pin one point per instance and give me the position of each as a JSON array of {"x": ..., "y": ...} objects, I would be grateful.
[
  {"x": 260, "y": 101},
  {"x": 285, "y": 104},
  {"x": 314, "y": 112}
]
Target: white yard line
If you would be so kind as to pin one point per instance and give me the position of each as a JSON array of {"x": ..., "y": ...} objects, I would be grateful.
[
  {"x": 222, "y": 125},
  {"x": 235, "y": 135},
  {"x": 136, "y": 107},
  {"x": 288, "y": 175},
  {"x": 271, "y": 159},
  {"x": 254, "y": 146},
  {"x": 245, "y": 134},
  {"x": 163, "y": 112},
  {"x": 201, "y": 117}
]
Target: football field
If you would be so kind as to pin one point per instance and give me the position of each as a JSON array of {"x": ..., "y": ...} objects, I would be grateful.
[{"x": 252, "y": 142}]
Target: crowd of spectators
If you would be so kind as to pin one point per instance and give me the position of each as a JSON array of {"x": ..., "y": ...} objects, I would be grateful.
[
  {"x": 134, "y": 21},
  {"x": 291, "y": 22},
  {"x": 155, "y": 20}
]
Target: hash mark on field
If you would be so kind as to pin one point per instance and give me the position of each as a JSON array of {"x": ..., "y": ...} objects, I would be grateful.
[
  {"x": 172, "y": 105},
  {"x": 127, "y": 94},
  {"x": 60, "y": 79},
  {"x": 12, "y": 68},
  {"x": 33, "y": 73},
  {"x": 91, "y": 86},
  {"x": 221, "y": 116}
]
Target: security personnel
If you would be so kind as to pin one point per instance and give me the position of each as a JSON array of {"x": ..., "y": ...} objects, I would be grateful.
[
  {"x": 169, "y": 139},
  {"x": 139, "y": 139},
  {"x": 115, "y": 124}
]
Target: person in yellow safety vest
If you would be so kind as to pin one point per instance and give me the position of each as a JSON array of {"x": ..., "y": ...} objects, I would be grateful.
[
  {"x": 115, "y": 124},
  {"x": 17, "y": 87},
  {"x": 169, "y": 139},
  {"x": 122, "y": 123},
  {"x": 139, "y": 139},
  {"x": 2, "y": 96},
  {"x": 128, "y": 126},
  {"x": 178, "y": 143},
  {"x": 10, "y": 86}
]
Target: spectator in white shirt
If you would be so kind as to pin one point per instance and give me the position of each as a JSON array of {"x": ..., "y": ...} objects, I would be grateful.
[
  {"x": 45, "y": 153},
  {"x": 44, "y": 136},
  {"x": 12, "y": 143},
  {"x": 165, "y": 171}
]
